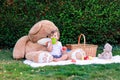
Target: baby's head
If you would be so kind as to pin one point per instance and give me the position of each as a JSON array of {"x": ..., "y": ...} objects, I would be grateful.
[{"x": 55, "y": 34}]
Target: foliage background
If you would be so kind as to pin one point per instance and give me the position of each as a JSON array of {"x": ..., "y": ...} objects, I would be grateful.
[{"x": 99, "y": 20}]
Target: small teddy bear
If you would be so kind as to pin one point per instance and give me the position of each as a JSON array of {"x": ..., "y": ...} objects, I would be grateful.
[{"x": 107, "y": 52}]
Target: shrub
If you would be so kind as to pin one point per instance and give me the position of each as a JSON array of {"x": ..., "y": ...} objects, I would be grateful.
[{"x": 97, "y": 19}]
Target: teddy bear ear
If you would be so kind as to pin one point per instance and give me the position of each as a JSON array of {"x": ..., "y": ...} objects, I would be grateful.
[{"x": 35, "y": 28}]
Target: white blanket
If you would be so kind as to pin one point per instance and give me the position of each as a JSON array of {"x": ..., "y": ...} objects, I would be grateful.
[{"x": 95, "y": 60}]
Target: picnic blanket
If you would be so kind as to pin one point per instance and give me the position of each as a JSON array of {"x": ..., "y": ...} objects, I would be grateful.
[{"x": 95, "y": 60}]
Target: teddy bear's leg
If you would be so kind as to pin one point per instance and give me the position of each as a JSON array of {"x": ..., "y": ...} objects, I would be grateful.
[
  {"x": 33, "y": 56},
  {"x": 19, "y": 48},
  {"x": 39, "y": 56},
  {"x": 101, "y": 56}
]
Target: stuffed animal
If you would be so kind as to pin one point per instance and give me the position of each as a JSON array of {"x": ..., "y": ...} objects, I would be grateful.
[
  {"x": 76, "y": 54},
  {"x": 27, "y": 46},
  {"x": 107, "y": 52}
]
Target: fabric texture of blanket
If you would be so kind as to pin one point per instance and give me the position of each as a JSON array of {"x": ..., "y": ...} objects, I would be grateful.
[{"x": 95, "y": 60}]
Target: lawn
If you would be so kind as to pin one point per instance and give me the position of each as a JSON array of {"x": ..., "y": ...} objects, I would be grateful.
[{"x": 11, "y": 69}]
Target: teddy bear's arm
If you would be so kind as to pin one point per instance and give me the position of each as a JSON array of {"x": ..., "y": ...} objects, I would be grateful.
[{"x": 43, "y": 41}]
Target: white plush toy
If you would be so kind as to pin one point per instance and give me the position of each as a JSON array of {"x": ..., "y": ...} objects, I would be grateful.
[
  {"x": 77, "y": 54},
  {"x": 107, "y": 52}
]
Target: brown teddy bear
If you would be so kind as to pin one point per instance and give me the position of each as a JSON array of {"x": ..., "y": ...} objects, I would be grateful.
[{"x": 27, "y": 46}]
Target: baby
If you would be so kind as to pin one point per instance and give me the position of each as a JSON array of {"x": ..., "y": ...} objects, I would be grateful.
[{"x": 55, "y": 47}]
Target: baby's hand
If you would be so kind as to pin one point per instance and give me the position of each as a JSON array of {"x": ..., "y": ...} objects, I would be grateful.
[
  {"x": 48, "y": 43},
  {"x": 49, "y": 46}
]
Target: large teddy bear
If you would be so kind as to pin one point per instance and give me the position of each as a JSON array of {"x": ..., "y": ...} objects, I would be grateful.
[{"x": 27, "y": 46}]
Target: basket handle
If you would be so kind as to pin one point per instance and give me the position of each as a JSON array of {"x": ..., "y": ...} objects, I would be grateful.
[{"x": 80, "y": 38}]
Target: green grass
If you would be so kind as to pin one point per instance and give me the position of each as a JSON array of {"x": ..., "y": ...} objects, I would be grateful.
[{"x": 11, "y": 69}]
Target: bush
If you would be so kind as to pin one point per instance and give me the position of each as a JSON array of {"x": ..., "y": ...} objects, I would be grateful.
[{"x": 97, "y": 19}]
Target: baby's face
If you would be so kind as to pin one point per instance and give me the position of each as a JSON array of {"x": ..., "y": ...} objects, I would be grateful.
[{"x": 55, "y": 35}]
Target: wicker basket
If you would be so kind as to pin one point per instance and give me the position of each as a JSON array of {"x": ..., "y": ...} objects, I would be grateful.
[{"x": 90, "y": 49}]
